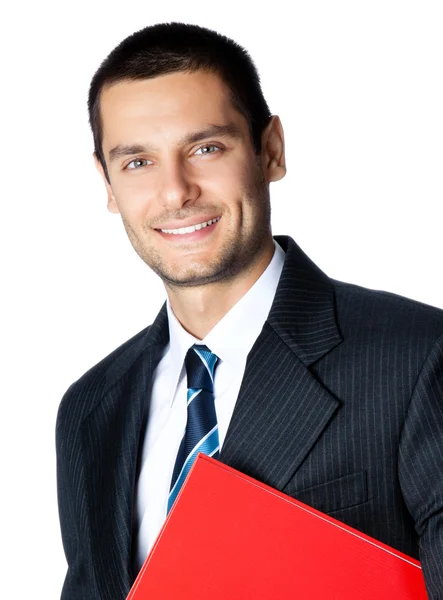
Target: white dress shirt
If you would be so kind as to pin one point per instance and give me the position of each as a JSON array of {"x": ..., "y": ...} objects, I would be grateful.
[{"x": 231, "y": 339}]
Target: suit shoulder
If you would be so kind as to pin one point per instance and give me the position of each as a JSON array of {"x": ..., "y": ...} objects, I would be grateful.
[
  {"x": 380, "y": 309},
  {"x": 81, "y": 396},
  {"x": 386, "y": 299}
]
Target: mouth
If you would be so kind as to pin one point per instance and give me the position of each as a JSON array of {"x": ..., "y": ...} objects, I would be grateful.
[{"x": 181, "y": 231}]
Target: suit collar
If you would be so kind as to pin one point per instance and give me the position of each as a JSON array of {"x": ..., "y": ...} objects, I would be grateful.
[
  {"x": 156, "y": 335},
  {"x": 282, "y": 409},
  {"x": 303, "y": 312}
]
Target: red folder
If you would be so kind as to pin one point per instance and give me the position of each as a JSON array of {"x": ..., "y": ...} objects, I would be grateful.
[{"x": 230, "y": 537}]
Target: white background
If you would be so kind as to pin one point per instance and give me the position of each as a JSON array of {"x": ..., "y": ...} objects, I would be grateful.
[{"x": 359, "y": 88}]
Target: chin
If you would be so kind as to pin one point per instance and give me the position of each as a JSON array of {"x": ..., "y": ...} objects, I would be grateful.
[{"x": 190, "y": 279}]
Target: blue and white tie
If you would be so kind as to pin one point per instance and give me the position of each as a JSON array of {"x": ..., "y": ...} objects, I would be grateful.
[{"x": 201, "y": 434}]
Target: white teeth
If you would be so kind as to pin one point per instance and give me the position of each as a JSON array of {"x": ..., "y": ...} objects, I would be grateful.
[{"x": 191, "y": 229}]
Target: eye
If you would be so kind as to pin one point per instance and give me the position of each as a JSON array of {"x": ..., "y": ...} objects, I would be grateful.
[
  {"x": 208, "y": 149},
  {"x": 135, "y": 164}
]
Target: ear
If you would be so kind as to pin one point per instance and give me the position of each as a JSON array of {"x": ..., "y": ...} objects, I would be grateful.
[
  {"x": 112, "y": 204},
  {"x": 273, "y": 150}
]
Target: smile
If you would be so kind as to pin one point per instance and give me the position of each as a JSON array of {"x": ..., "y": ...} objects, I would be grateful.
[{"x": 191, "y": 228}]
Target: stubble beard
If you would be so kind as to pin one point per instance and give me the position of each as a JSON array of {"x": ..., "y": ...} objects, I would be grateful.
[{"x": 237, "y": 255}]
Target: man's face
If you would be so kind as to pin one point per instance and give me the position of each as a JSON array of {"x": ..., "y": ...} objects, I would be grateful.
[{"x": 180, "y": 155}]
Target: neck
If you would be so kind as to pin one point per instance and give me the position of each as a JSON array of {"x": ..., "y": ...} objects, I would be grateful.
[{"x": 200, "y": 308}]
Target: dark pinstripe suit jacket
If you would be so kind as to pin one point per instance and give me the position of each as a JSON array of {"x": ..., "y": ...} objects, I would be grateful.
[{"x": 341, "y": 406}]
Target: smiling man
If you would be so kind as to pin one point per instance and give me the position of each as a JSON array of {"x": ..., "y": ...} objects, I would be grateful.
[
  {"x": 191, "y": 190},
  {"x": 326, "y": 391}
]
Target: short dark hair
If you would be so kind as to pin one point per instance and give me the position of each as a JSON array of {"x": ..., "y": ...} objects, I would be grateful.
[{"x": 179, "y": 47}]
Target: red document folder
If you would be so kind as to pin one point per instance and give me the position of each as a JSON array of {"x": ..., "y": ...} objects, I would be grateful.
[{"x": 230, "y": 537}]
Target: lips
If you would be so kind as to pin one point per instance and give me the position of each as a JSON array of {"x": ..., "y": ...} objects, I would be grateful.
[
  {"x": 190, "y": 233},
  {"x": 183, "y": 230}
]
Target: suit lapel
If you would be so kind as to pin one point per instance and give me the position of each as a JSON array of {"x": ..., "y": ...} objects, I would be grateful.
[
  {"x": 282, "y": 409},
  {"x": 111, "y": 435}
]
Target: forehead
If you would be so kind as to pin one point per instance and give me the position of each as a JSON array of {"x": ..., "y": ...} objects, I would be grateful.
[{"x": 165, "y": 108}]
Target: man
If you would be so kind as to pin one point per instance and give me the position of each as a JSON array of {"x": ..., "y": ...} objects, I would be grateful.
[{"x": 326, "y": 391}]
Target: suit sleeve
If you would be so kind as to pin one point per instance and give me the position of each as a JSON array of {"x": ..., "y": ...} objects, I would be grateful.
[
  {"x": 421, "y": 467},
  {"x": 79, "y": 582}
]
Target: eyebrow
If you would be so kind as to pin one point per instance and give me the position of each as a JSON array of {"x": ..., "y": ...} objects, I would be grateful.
[{"x": 228, "y": 130}]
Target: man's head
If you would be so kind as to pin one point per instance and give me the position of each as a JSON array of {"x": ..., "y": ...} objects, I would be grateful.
[{"x": 183, "y": 135}]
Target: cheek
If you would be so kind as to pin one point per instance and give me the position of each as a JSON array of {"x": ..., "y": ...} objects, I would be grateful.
[
  {"x": 226, "y": 180},
  {"x": 133, "y": 200}
]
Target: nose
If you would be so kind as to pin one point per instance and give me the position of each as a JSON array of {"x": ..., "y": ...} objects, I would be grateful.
[{"x": 177, "y": 186}]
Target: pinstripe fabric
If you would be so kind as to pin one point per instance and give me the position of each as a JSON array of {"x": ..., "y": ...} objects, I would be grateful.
[
  {"x": 341, "y": 406},
  {"x": 98, "y": 430}
]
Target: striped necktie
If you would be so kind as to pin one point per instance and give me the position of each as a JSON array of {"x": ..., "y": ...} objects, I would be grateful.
[{"x": 201, "y": 434}]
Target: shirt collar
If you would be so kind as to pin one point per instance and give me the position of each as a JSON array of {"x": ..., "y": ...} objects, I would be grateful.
[{"x": 232, "y": 338}]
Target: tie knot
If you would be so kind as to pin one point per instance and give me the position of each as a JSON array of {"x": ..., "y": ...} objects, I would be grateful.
[{"x": 200, "y": 366}]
